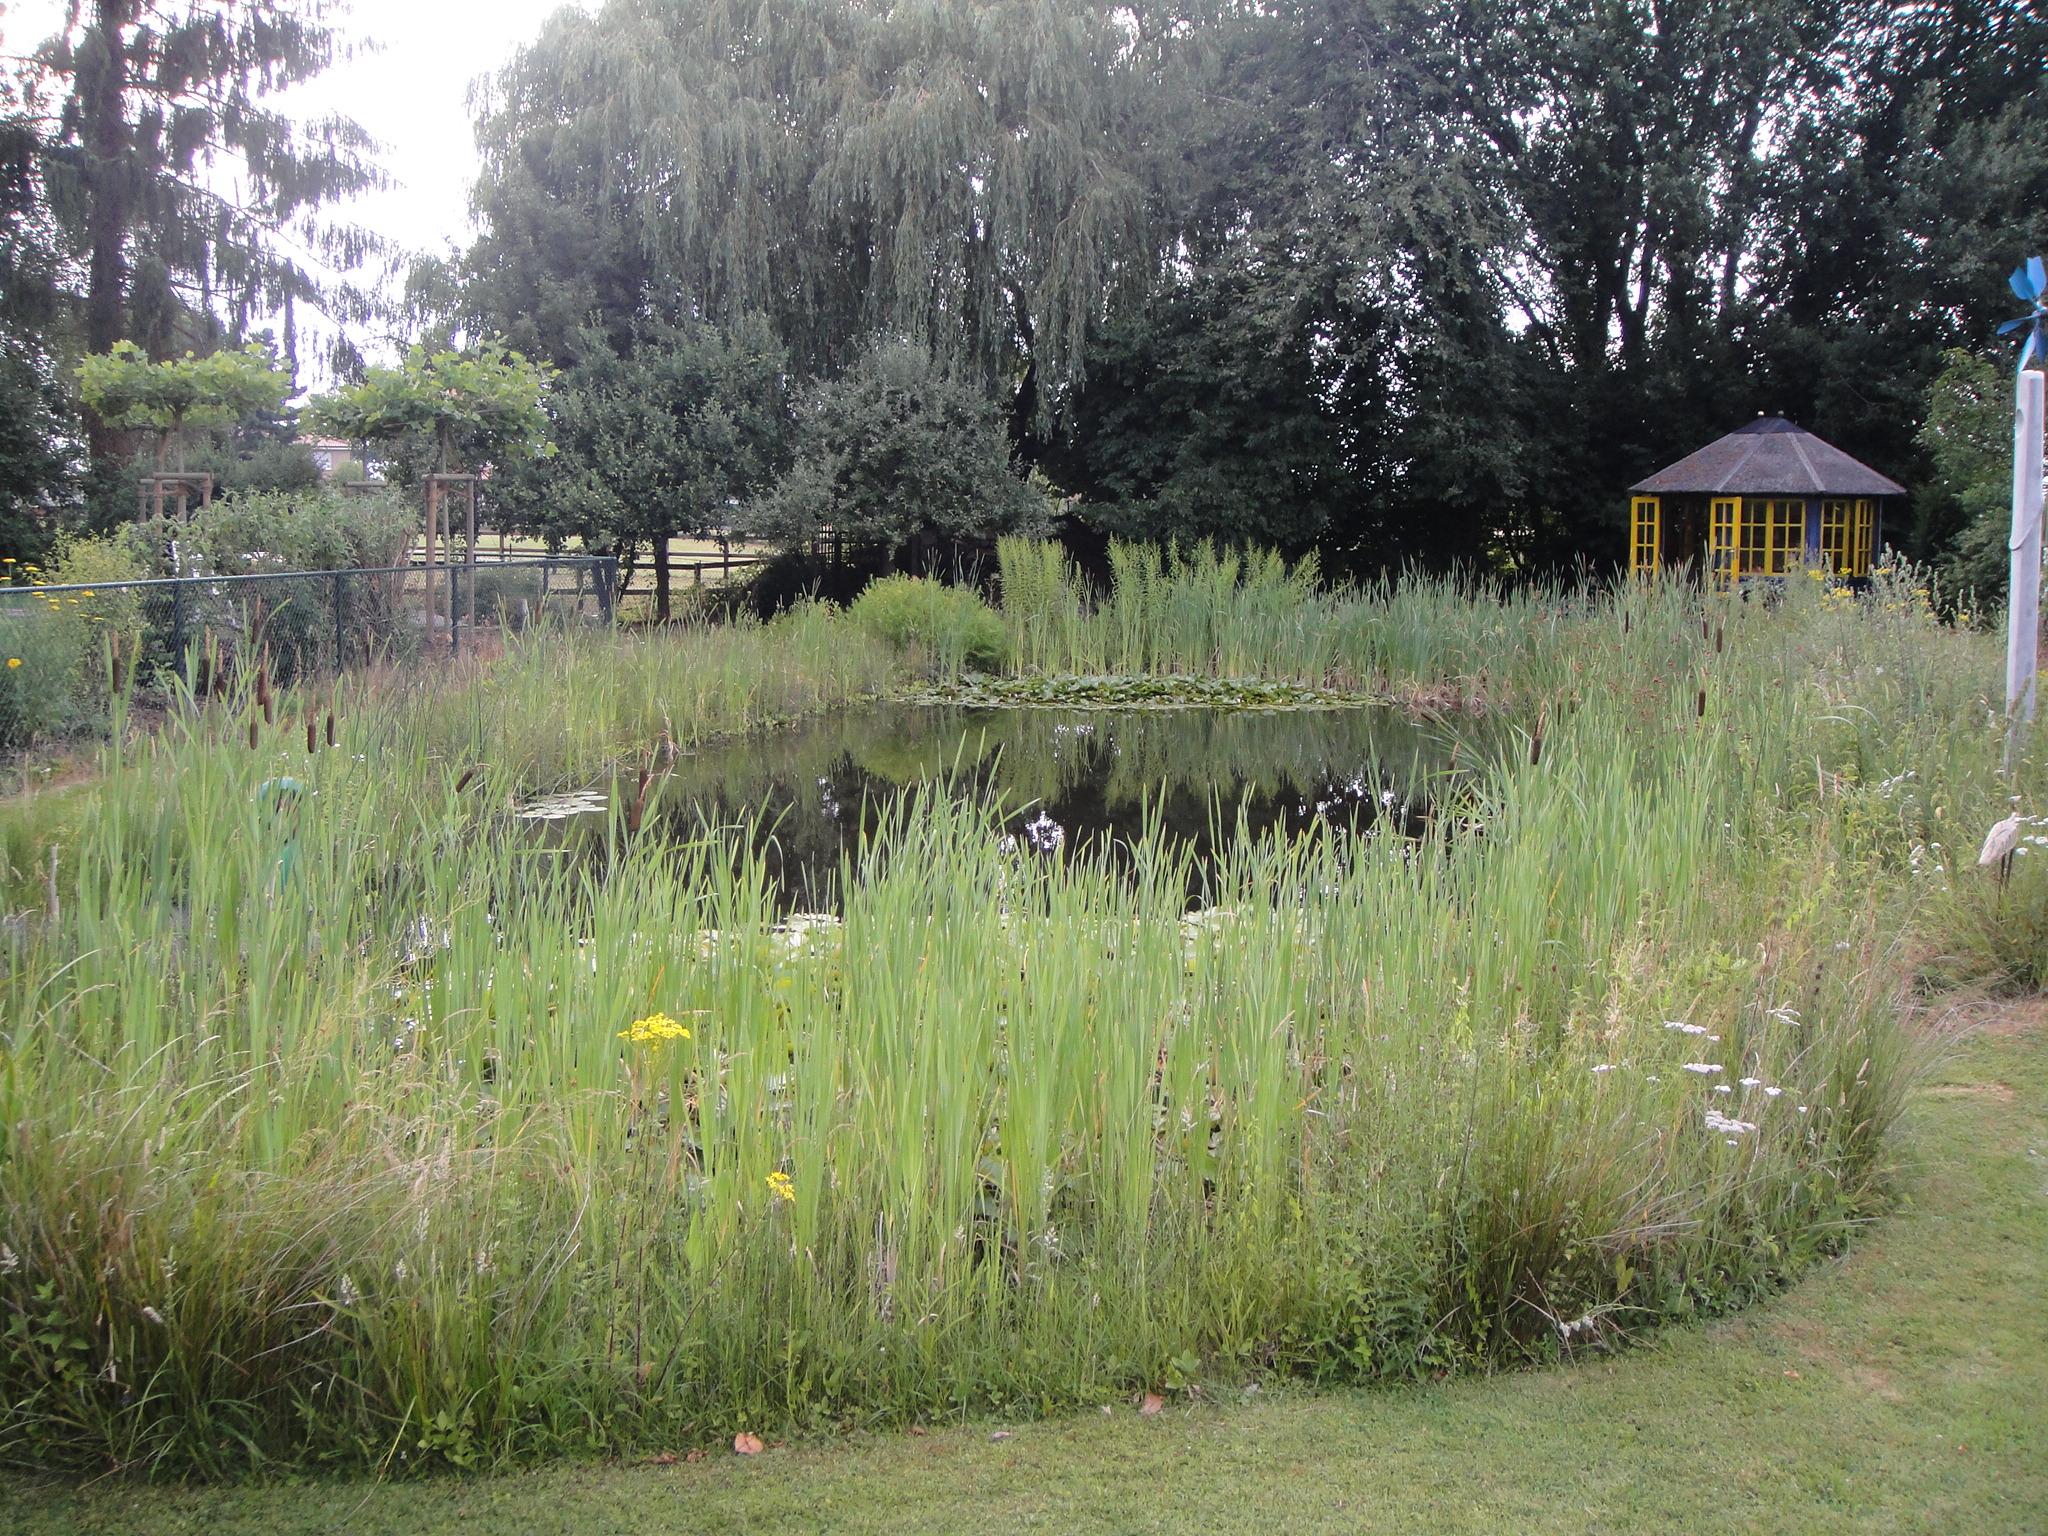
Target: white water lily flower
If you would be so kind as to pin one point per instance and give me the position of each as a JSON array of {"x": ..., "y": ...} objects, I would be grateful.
[{"x": 1703, "y": 1067}]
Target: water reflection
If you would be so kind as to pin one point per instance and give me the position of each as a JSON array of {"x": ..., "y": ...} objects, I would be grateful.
[{"x": 1065, "y": 778}]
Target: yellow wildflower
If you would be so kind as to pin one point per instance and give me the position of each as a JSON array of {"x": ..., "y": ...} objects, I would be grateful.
[
  {"x": 654, "y": 1029},
  {"x": 14, "y": 661},
  {"x": 782, "y": 1186}
]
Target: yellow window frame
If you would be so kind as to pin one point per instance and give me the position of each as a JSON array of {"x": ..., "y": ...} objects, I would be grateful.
[
  {"x": 1837, "y": 537},
  {"x": 1862, "y": 532},
  {"x": 1721, "y": 539},
  {"x": 1772, "y": 537},
  {"x": 1646, "y": 544}
]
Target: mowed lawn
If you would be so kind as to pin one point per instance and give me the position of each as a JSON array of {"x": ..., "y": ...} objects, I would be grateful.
[{"x": 1904, "y": 1388}]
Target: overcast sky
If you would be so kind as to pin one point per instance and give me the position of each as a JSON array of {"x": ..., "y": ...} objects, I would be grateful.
[{"x": 409, "y": 95}]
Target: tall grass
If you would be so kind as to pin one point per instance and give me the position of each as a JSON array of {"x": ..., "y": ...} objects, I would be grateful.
[{"x": 324, "y": 1144}]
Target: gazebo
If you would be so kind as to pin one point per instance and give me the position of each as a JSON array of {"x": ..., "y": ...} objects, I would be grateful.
[{"x": 1766, "y": 499}]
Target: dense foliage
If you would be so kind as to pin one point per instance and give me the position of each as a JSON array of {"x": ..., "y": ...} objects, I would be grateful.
[{"x": 1408, "y": 279}]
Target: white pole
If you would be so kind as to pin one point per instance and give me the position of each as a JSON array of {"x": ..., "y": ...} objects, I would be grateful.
[{"x": 2023, "y": 639}]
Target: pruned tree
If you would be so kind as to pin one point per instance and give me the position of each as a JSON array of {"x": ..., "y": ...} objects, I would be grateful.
[
  {"x": 224, "y": 388},
  {"x": 476, "y": 406},
  {"x": 662, "y": 438},
  {"x": 901, "y": 455}
]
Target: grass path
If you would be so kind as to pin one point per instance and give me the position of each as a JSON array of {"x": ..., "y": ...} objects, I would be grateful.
[{"x": 1904, "y": 1388}]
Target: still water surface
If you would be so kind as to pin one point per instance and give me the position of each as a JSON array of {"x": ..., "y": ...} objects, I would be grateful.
[{"x": 1063, "y": 778}]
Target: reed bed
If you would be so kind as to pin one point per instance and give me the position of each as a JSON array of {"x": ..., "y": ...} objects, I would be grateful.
[{"x": 348, "y": 1123}]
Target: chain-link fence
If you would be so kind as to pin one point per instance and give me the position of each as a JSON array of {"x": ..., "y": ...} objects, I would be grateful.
[{"x": 56, "y": 640}]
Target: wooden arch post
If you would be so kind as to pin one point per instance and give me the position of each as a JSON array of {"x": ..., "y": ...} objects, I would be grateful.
[{"x": 446, "y": 494}]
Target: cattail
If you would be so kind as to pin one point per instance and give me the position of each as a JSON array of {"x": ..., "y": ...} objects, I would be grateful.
[
  {"x": 1703, "y": 704},
  {"x": 312, "y": 736},
  {"x": 263, "y": 685},
  {"x": 1536, "y": 739},
  {"x": 252, "y": 734},
  {"x": 468, "y": 777},
  {"x": 330, "y": 728},
  {"x": 1718, "y": 638}
]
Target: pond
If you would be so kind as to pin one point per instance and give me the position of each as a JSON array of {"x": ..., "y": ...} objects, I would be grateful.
[{"x": 1063, "y": 778}]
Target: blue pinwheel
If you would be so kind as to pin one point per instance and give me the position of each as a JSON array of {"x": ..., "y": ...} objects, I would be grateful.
[{"x": 2030, "y": 282}]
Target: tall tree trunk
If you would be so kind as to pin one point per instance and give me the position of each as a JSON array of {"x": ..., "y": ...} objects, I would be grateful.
[{"x": 103, "y": 52}]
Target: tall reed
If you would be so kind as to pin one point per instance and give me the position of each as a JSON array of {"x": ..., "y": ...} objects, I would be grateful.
[{"x": 331, "y": 1138}]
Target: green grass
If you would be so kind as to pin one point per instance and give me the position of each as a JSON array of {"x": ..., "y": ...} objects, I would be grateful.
[
  {"x": 324, "y": 1148},
  {"x": 1902, "y": 1388}
]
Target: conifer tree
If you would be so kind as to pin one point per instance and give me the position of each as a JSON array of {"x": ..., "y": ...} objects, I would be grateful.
[{"x": 172, "y": 179}]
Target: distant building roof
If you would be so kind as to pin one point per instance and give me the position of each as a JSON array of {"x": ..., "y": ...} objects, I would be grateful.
[{"x": 1769, "y": 457}]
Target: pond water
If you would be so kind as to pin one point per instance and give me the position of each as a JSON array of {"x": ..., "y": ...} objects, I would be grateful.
[{"x": 1063, "y": 778}]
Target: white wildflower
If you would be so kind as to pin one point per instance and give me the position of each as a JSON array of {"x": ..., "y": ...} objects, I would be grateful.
[
  {"x": 1683, "y": 1028},
  {"x": 1716, "y": 1121},
  {"x": 1703, "y": 1067},
  {"x": 1606, "y": 1066},
  {"x": 1774, "y": 1092},
  {"x": 153, "y": 1315},
  {"x": 10, "y": 1261},
  {"x": 347, "y": 1294},
  {"x": 1752, "y": 1082}
]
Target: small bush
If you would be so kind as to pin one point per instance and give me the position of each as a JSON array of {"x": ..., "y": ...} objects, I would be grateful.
[{"x": 951, "y": 624}]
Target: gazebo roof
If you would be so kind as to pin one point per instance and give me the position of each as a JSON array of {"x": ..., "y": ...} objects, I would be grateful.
[{"x": 1769, "y": 457}]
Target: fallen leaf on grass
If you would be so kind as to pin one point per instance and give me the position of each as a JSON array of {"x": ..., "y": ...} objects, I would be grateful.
[
  {"x": 665, "y": 1459},
  {"x": 1793, "y": 1374},
  {"x": 693, "y": 1455},
  {"x": 746, "y": 1444},
  {"x": 917, "y": 1429},
  {"x": 1153, "y": 1403},
  {"x": 1002, "y": 1434}
]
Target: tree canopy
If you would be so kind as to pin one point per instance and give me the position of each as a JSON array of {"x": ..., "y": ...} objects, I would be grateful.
[
  {"x": 475, "y": 405},
  {"x": 1392, "y": 281},
  {"x": 223, "y": 388}
]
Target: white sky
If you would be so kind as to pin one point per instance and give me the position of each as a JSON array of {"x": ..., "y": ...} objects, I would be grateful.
[{"x": 409, "y": 94}]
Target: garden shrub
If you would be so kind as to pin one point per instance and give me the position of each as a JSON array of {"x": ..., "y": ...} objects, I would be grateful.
[
  {"x": 52, "y": 677},
  {"x": 262, "y": 531},
  {"x": 951, "y": 624}
]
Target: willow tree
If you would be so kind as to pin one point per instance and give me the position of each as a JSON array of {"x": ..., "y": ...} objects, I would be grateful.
[{"x": 979, "y": 178}]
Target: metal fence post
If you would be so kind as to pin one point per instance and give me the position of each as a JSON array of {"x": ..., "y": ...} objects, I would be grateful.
[
  {"x": 183, "y": 662},
  {"x": 340, "y": 622},
  {"x": 607, "y": 579}
]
